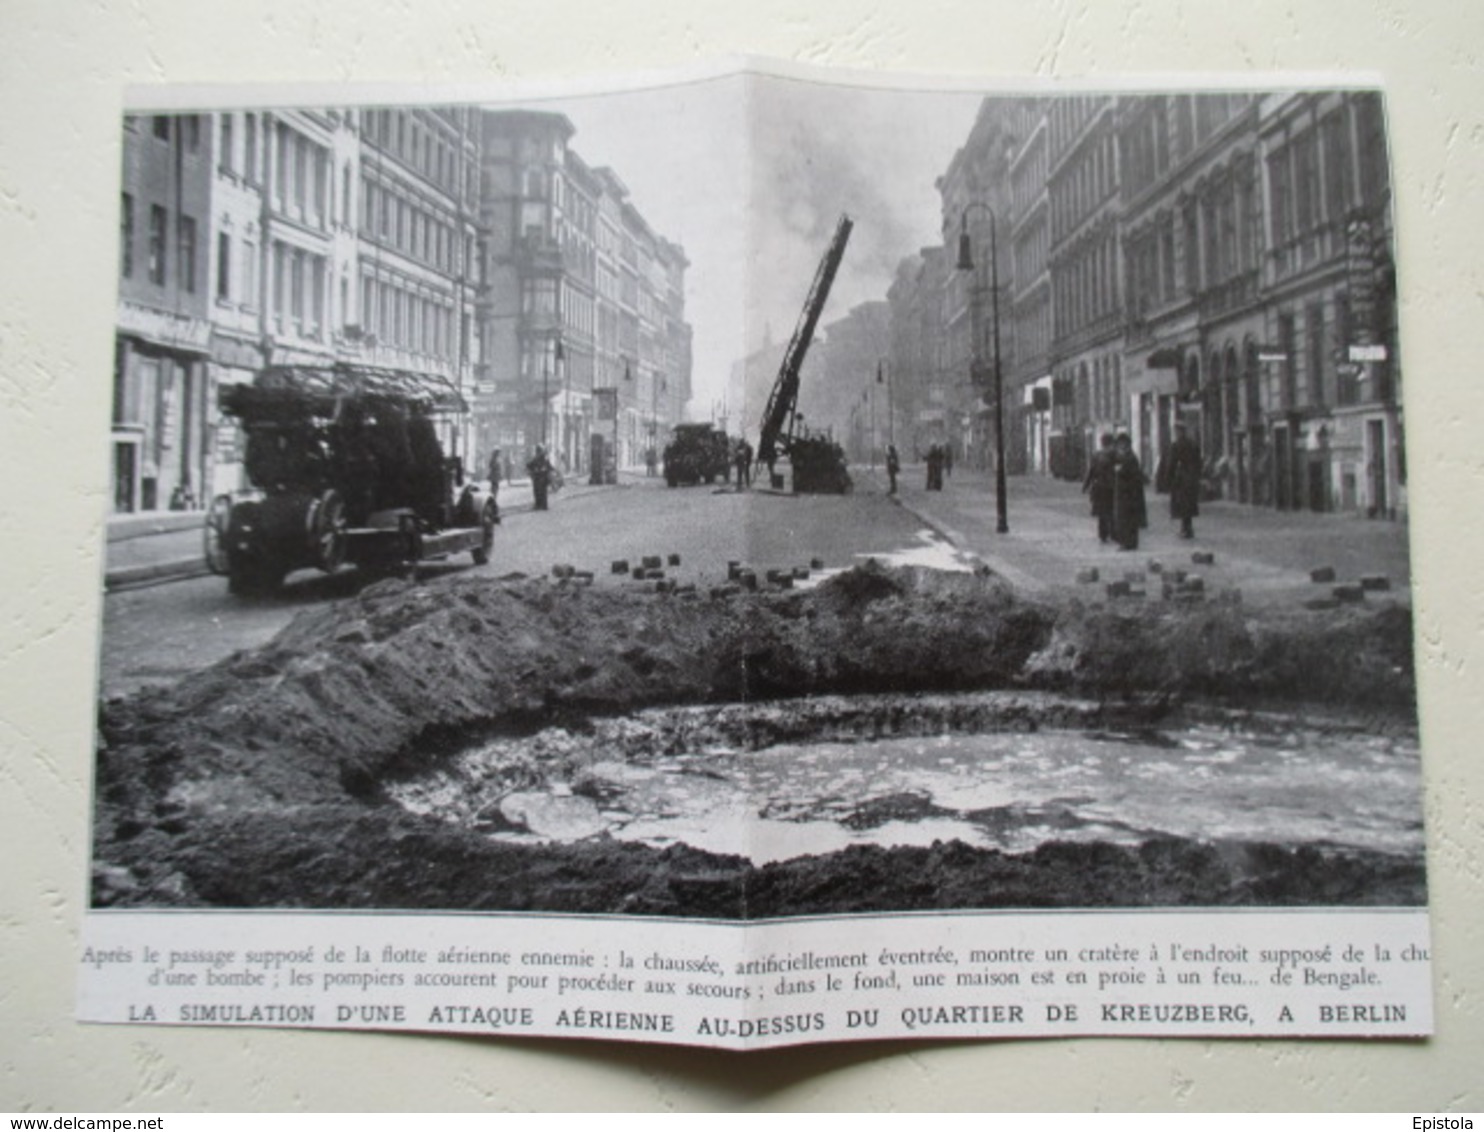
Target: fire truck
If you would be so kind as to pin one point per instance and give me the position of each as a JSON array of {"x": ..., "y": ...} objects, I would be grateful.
[{"x": 346, "y": 468}]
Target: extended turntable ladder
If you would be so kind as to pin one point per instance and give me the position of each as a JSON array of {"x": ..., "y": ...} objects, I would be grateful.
[{"x": 778, "y": 418}]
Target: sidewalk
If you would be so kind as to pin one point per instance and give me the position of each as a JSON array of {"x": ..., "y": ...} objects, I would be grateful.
[
  {"x": 1264, "y": 554},
  {"x": 166, "y": 546}
]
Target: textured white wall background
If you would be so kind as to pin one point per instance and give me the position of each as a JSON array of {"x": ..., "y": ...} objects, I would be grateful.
[{"x": 62, "y": 67}]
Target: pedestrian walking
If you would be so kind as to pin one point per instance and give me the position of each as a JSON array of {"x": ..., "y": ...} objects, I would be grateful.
[
  {"x": 743, "y": 459},
  {"x": 540, "y": 470},
  {"x": 1182, "y": 475},
  {"x": 649, "y": 461},
  {"x": 893, "y": 466},
  {"x": 1129, "y": 513},
  {"x": 496, "y": 467},
  {"x": 1098, "y": 486}
]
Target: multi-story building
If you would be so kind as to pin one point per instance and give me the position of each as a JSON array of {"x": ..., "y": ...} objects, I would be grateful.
[
  {"x": 162, "y": 405},
  {"x": 917, "y": 369},
  {"x": 1329, "y": 379},
  {"x": 1086, "y": 272},
  {"x": 1029, "y": 284},
  {"x": 978, "y": 330},
  {"x": 1221, "y": 260},
  {"x": 846, "y": 400},
  {"x": 582, "y": 296},
  {"x": 284, "y": 237},
  {"x": 408, "y": 292}
]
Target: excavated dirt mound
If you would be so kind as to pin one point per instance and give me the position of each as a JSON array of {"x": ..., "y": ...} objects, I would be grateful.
[{"x": 259, "y": 782}]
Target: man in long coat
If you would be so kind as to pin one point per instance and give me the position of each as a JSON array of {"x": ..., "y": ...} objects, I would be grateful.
[
  {"x": 1098, "y": 484},
  {"x": 1184, "y": 477},
  {"x": 540, "y": 469},
  {"x": 1129, "y": 514}
]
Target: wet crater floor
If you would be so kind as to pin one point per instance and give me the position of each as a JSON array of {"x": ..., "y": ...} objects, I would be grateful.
[{"x": 1010, "y": 789}]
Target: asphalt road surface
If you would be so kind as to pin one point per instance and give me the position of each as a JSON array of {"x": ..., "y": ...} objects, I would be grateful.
[{"x": 160, "y": 633}]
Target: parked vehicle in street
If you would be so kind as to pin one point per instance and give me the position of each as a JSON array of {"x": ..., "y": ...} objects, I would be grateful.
[
  {"x": 346, "y": 467},
  {"x": 698, "y": 452}
]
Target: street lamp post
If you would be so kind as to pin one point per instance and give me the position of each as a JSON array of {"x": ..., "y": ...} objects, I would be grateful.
[{"x": 966, "y": 263}]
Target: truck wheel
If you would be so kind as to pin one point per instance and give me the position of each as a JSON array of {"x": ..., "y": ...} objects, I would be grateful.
[
  {"x": 325, "y": 525},
  {"x": 487, "y": 520}
]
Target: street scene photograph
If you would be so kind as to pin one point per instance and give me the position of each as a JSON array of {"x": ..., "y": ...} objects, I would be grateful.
[{"x": 755, "y": 497}]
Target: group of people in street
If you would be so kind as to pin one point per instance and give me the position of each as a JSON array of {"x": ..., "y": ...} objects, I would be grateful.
[
  {"x": 1115, "y": 487},
  {"x": 543, "y": 473}
]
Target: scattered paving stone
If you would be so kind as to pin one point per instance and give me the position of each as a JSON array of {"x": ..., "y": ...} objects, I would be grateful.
[
  {"x": 639, "y": 572},
  {"x": 655, "y": 574},
  {"x": 1155, "y": 566},
  {"x": 1194, "y": 585},
  {"x": 1322, "y": 574},
  {"x": 1176, "y": 576},
  {"x": 1088, "y": 576},
  {"x": 1375, "y": 582},
  {"x": 748, "y": 578},
  {"x": 674, "y": 560},
  {"x": 1118, "y": 589},
  {"x": 620, "y": 566},
  {"x": 583, "y": 577},
  {"x": 652, "y": 561},
  {"x": 733, "y": 569},
  {"x": 1348, "y": 593},
  {"x": 801, "y": 573},
  {"x": 816, "y": 563},
  {"x": 1204, "y": 558}
]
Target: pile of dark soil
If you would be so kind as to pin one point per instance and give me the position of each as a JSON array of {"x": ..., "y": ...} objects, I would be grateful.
[{"x": 258, "y": 782}]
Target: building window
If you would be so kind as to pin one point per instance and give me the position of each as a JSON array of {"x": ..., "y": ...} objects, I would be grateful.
[
  {"x": 250, "y": 148},
  {"x": 162, "y": 127},
  {"x": 187, "y": 251},
  {"x": 249, "y": 274},
  {"x": 157, "y": 226},
  {"x": 126, "y": 236},
  {"x": 223, "y": 266},
  {"x": 1314, "y": 317},
  {"x": 224, "y": 158}
]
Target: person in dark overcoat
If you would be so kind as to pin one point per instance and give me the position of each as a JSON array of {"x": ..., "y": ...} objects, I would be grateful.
[
  {"x": 1183, "y": 474},
  {"x": 540, "y": 469},
  {"x": 1129, "y": 514},
  {"x": 893, "y": 467},
  {"x": 1098, "y": 485},
  {"x": 935, "y": 468}
]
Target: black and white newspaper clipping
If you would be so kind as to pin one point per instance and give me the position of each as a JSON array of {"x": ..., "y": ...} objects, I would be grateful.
[{"x": 750, "y": 558}]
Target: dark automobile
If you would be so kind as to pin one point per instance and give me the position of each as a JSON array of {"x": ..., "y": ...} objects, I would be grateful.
[
  {"x": 698, "y": 452},
  {"x": 346, "y": 466}
]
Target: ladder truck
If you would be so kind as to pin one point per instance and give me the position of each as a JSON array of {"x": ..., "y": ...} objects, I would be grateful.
[{"x": 818, "y": 463}]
